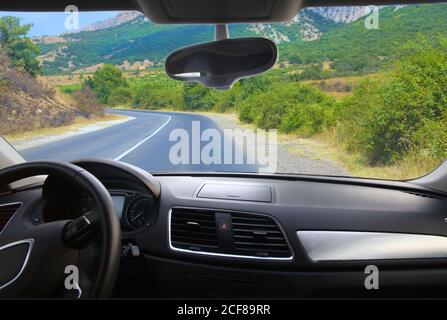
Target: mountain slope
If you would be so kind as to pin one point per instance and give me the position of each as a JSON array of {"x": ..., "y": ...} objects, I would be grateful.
[
  {"x": 354, "y": 48},
  {"x": 315, "y": 35},
  {"x": 138, "y": 39}
]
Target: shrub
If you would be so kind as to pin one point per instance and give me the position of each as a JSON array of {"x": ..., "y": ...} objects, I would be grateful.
[
  {"x": 69, "y": 88},
  {"x": 120, "y": 96},
  {"x": 266, "y": 109},
  {"x": 147, "y": 97},
  {"x": 290, "y": 108},
  {"x": 228, "y": 99},
  {"x": 105, "y": 80},
  {"x": 315, "y": 72},
  {"x": 432, "y": 138},
  {"x": 404, "y": 111},
  {"x": 156, "y": 91},
  {"x": 253, "y": 85},
  {"x": 87, "y": 103},
  {"x": 337, "y": 86},
  {"x": 197, "y": 97}
]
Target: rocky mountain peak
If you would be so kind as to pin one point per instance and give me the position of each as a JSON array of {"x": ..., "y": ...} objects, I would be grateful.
[
  {"x": 120, "y": 18},
  {"x": 342, "y": 14}
]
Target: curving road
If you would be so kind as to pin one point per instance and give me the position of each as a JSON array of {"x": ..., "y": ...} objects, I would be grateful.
[{"x": 143, "y": 141}]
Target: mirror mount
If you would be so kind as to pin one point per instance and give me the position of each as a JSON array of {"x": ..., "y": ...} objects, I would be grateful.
[{"x": 221, "y": 32}]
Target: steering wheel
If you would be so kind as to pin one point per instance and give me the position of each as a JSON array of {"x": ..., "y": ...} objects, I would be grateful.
[{"x": 47, "y": 260}]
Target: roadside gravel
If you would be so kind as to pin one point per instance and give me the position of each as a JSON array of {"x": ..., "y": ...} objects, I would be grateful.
[{"x": 293, "y": 155}]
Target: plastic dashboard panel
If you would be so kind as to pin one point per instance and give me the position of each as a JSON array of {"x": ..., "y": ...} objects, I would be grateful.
[
  {"x": 303, "y": 205},
  {"x": 307, "y": 205},
  {"x": 298, "y": 204},
  {"x": 352, "y": 245},
  {"x": 236, "y": 191}
]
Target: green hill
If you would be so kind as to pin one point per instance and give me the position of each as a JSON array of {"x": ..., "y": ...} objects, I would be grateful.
[
  {"x": 309, "y": 39},
  {"x": 139, "y": 39},
  {"x": 353, "y": 47}
]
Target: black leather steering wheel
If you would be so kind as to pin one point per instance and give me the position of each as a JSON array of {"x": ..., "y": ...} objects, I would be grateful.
[{"x": 35, "y": 257}]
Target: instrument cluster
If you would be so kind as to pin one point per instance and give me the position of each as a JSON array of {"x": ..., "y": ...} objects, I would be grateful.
[{"x": 136, "y": 211}]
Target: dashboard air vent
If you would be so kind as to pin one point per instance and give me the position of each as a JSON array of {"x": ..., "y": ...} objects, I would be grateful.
[
  {"x": 194, "y": 230},
  {"x": 257, "y": 235},
  {"x": 6, "y": 213},
  {"x": 230, "y": 234}
]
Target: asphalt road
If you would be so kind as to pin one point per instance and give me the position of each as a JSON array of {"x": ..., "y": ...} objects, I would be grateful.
[{"x": 143, "y": 141}]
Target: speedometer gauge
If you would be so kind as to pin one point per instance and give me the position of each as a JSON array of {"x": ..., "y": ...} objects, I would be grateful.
[{"x": 141, "y": 212}]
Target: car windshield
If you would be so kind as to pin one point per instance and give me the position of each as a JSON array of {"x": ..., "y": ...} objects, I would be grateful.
[{"x": 356, "y": 91}]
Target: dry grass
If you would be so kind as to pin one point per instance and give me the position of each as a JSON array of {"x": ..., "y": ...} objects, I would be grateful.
[
  {"x": 28, "y": 104},
  {"x": 338, "y": 95},
  {"x": 413, "y": 166},
  {"x": 327, "y": 65},
  {"x": 78, "y": 77},
  {"x": 63, "y": 79},
  {"x": 349, "y": 80},
  {"x": 339, "y": 87},
  {"x": 86, "y": 102},
  {"x": 78, "y": 123}
]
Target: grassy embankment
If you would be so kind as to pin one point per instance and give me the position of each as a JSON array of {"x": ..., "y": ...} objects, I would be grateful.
[
  {"x": 31, "y": 107},
  {"x": 325, "y": 146}
]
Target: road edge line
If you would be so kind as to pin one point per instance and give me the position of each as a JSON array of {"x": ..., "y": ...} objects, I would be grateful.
[{"x": 125, "y": 153}]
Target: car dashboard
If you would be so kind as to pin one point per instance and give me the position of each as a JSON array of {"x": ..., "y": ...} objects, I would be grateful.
[
  {"x": 135, "y": 210},
  {"x": 240, "y": 235}
]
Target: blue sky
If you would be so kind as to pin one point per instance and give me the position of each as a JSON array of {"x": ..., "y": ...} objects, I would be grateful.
[{"x": 52, "y": 23}]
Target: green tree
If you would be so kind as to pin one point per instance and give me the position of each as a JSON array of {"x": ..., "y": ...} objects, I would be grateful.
[
  {"x": 105, "y": 80},
  {"x": 255, "y": 85},
  {"x": 19, "y": 47},
  {"x": 120, "y": 96},
  {"x": 197, "y": 97},
  {"x": 296, "y": 59}
]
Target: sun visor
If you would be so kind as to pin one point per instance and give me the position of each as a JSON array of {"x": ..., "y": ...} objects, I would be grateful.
[{"x": 219, "y": 11}]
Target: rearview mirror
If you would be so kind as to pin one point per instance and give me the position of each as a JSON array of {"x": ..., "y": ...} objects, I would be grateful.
[{"x": 219, "y": 64}]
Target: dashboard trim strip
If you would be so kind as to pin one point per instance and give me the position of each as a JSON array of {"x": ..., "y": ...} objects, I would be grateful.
[
  {"x": 225, "y": 255},
  {"x": 325, "y": 246},
  {"x": 30, "y": 243}
]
